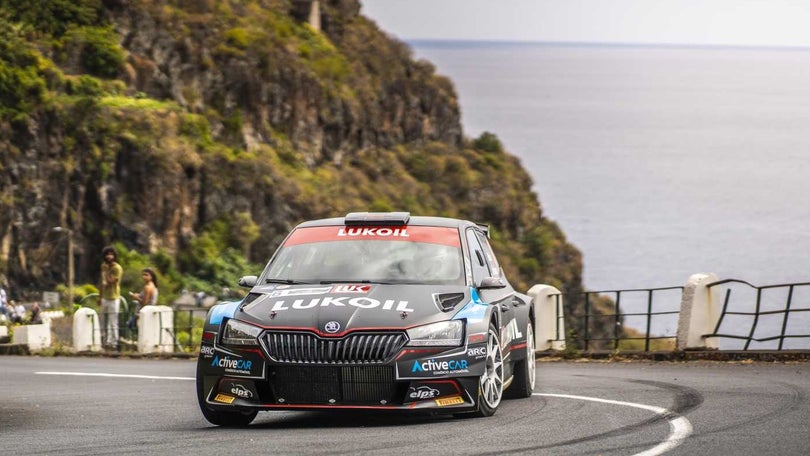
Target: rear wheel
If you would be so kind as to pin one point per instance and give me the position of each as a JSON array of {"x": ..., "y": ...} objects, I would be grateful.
[
  {"x": 222, "y": 418},
  {"x": 525, "y": 370},
  {"x": 490, "y": 385}
]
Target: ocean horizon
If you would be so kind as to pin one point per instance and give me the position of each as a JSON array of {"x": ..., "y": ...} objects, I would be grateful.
[
  {"x": 462, "y": 43},
  {"x": 657, "y": 161}
]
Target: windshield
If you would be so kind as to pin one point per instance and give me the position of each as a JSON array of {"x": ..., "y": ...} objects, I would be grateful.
[{"x": 417, "y": 254}]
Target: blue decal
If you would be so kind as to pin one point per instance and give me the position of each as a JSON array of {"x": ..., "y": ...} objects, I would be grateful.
[
  {"x": 220, "y": 311},
  {"x": 432, "y": 365},
  {"x": 229, "y": 363},
  {"x": 475, "y": 310},
  {"x": 475, "y": 298}
]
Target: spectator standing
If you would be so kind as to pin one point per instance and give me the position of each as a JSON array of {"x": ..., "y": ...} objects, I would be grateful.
[
  {"x": 36, "y": 315},
  {"x": 3, "y": 297},
  {"x": 147, "y": 297},
  {"x": 110, "y": 291}
]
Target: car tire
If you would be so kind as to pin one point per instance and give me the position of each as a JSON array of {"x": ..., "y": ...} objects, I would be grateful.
[
  {"x": 222, "y": 418},
  {"x": 490, "y": 385},
  {"x": 524, "y": 376}
]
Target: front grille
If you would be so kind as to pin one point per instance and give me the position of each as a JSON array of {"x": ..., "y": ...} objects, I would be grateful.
[
  {"x": 335, "y": 385},
  {"x": 357, "y": 348}
]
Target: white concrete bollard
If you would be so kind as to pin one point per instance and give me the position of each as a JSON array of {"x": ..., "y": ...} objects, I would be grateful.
[
  {"x": 155, "y": 329},
  {"x": 86, "y": 330},
  {"x": 700, "y": 311},
  {"x": 547, "y": 317},
  {"x": 37, "y": 337}
]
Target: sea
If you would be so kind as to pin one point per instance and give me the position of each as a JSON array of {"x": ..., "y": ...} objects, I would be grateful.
[{"x": 657, "y": 162}]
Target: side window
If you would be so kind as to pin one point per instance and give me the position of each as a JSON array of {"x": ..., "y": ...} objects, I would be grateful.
[
  {"x": 478, "y": 258},
  {"x": 494, "y": 267}
]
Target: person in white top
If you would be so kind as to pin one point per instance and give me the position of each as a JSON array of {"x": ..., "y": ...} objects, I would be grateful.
[
  {"x": 19, "y": 313},
  {"x": 147, "y": 297}
]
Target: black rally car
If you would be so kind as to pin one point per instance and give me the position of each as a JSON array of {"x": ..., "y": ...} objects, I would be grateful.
[{"x": 370, "y": 311}]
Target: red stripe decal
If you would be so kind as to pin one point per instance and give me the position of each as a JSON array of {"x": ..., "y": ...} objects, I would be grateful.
[{"x": 429, "y": 234}]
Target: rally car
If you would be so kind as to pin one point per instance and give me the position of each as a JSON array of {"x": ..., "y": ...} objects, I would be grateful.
[{"x": 378, "y": 311}]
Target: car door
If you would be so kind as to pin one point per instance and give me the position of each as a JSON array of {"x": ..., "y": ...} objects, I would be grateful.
[{"x": 486, "y": 274}]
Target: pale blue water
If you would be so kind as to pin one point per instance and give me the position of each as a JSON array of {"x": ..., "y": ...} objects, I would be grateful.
[{"x": 657, "y": 162}]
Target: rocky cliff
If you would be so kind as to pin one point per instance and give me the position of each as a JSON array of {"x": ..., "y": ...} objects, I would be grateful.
[{"x": 164, "y": 124}]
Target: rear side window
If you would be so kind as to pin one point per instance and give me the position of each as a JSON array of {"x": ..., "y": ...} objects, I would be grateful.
[
  {"x": 478, "y": 257},
  {"x": 494, "y": 267}
]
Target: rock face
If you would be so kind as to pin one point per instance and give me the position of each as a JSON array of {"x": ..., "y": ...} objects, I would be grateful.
[{"x": 238, "y": 113}]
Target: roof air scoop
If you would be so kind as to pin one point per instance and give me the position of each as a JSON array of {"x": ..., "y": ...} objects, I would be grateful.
[{"x": 377, "y": 218}]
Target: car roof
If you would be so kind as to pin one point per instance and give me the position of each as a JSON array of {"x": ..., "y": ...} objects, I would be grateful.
[{"x": 410, "y": 221}]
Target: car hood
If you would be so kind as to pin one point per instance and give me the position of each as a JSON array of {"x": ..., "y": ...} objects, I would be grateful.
[{"x": 334, "y": 309}]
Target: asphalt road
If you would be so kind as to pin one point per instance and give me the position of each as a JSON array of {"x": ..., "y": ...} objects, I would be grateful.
[{"x": 90, "y": 406}]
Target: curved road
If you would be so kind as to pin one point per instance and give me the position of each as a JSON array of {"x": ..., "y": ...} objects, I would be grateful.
[{"x": 89, "y": 406}]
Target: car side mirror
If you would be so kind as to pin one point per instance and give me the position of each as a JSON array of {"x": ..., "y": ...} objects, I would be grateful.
[
  {"x": 248, "y": 281},
  {"x": 492, "y": 282}
]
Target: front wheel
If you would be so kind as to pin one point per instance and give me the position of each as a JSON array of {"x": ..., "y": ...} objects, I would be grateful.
[
  {"x": 524, "y": 374},
  {"x": 222, "y": 418},
  {"x": 490, "y": 386}
]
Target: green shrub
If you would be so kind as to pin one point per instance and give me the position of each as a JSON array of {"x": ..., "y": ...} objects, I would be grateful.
[
  {"x": 488, "y": 142},
  {"x": 84, "y": 85},
  {"x": 22, "y": 82},
  {"x": 101, "y": 55},
  {"x": 55, "y": 16},
  {"x": 237, "y": 37}
]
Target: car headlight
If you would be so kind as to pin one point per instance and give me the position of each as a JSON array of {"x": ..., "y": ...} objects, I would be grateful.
[
  {"x": 240, "y": 333},
  {"x": 443, "y": 333}
]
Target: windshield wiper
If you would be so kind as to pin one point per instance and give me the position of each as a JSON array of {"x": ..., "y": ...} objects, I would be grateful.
[
  {"x": 284, "y": 281},
  {"x": 378, "y": 282}
]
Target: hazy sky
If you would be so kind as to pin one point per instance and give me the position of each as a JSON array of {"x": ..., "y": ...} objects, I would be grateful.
[{"x": 702, "y": 22}]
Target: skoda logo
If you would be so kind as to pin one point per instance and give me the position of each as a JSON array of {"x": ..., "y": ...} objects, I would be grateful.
[{"x": 332, "y": 327}]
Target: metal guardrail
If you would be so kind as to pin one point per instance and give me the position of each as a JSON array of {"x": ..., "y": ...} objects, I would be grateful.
[
  {"x": 594, "y": 338},
  {"x": 783, "y": 307},
  {"x": 759, "y": 312}
]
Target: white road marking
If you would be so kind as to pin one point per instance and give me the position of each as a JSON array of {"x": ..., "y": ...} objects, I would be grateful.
[
  {"x": 680, "y": 427},
  {"x": 96, "y": 374}
]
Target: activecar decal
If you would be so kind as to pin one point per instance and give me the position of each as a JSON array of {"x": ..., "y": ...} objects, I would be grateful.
[
  {"x": 436, "y": 366},
  {"x": 450, "y": 366}
]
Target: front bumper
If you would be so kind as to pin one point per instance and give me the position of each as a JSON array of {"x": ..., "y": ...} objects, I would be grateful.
[{"x": 248, "y": 381}]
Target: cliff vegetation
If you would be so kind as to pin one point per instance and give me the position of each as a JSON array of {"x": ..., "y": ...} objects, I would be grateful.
[{"x": 194, "y": 134}]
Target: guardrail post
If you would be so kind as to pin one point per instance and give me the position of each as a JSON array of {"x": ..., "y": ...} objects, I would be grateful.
[
  {"x": 548, "y": 321},
  {"x": 155, "y": 329},
  {"x": 86, "y": 330},
  {"x": 700, "y": 311}
]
